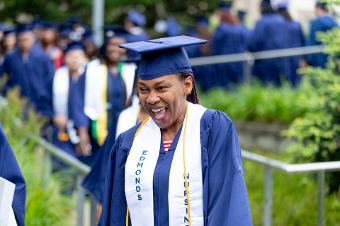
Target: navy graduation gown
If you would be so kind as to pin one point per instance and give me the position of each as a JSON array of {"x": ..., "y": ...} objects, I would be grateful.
[
  {"x": 320, "y": 24},
  {"x": 33, "y": 74},
  {"x": 75, "y": 109},
  {"x": 229, "y": 39},
  {"x": 296, "y": 39},
  {"x": 270, "y": 33},
  {"x": 116, "y": 97},
  {"x": 225, "y": 200},
  {"x": 9, "y": 169},
  {"x": 94, "y": 182}
]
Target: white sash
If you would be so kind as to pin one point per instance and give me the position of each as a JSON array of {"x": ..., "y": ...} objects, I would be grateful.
[
  {"x": 95, "y": 77},
  {"x": 94, "y": 83},
  {"x": 60, "y": 91},
  {"x": 128, "y": 117},
  {"x": 139, "y": 171},
  {"x": 128, "y": 75}
]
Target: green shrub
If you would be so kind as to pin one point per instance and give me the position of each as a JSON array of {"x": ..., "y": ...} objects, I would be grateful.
[
  {"x": 44, "y": 205},
  {"x": 318, "y": 130},
  {"x": 253, "y": 102}
]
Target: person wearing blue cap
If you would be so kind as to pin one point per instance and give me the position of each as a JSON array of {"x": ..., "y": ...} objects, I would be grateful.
[
  {"x": 7, "y": 44},
  {"x": 203, "y": 74},
  {"x": 71, "y": 125},
  {"x": 296, "y": 39},
  {"x": 48, "y": 42},
  {"x": 230, "y": 37},
  {"x": 322, "y": 23},
  {"x": 112, "y": 80},
  {"x": 10, "y": 170},
  {"x": 182, "y": 165},
  {"x": 270, "y": 33},
  {"x": 31, "y": 69},
  {"x": 134, "y": 23}
]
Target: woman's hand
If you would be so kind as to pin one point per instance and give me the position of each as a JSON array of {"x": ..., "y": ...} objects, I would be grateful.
[{"x": 84, "y": 147}]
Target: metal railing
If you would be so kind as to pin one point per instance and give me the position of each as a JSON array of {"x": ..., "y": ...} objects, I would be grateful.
[
  {"x": 81, "y": 171},
  {"x": 269, "y": 164},
  {"x": 248, "y": 58}
]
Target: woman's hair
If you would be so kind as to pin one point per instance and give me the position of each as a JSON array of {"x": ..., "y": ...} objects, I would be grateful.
[
  {"x": 192, "y": 97},
  {"x": 285, "y": 14}
]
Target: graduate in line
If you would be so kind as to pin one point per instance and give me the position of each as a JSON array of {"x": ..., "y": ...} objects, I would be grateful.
[
  {"x": 109, "y": 85},
  {"x": 182, "y": 165},
  {"x": 270, "y": 33},
  {"x": 29, "y": 67},
  {"x": 230, "y": 37},
  {"x": 71, "y": 125},
  {"x": 9, "y": 170},
  {"x": 296, "y": 39},
  {"x": 322, "y": 23}
]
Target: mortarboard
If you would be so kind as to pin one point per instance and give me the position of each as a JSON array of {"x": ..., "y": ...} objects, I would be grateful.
[
  {"x": 65, "y": 30},
  {"x": 37, "y": 23},
  {"x": 9, "y": 30},
  {"x": 322, "y": 5},
  {"x": 115, "y": 30},
  {"x": 224, "y": 5},
  {"x": 21, "y": 28},
  {"x": 202, "y": 21},
  {"x": 74, "y": 46},
  {"x": 163, "y": 56},
  {"x": 49, "y": 25},
  {"x": 137, "y": 18}
]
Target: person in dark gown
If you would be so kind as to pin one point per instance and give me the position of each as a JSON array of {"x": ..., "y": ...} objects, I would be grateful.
[{"x": 182, "y": 165}]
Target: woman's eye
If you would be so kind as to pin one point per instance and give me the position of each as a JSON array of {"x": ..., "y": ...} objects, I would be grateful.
[
  {"x": 162, "y": 88},
  {"x": 142, "y": 90}
]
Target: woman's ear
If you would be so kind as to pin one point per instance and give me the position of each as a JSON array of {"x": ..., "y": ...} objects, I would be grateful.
[{"x": 188, "y": 85}]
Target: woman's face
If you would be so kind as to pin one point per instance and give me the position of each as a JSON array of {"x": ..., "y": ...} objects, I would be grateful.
[
  {"x": 164, "y": 99},
  {"x": 113, "y": 52}
]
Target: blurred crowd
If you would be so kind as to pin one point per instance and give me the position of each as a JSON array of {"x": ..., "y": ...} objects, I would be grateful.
[{"x": 82, "y": 88}]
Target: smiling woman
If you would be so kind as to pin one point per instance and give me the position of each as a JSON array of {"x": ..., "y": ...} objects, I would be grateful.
[{"x": 182, "y": 165}]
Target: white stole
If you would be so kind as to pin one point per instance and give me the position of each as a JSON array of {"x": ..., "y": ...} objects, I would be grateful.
[
  {"x": 128, "y": 117},
  {"x": 140, "y": 166},
  {"x": 95, "y": 77},
  {"x": 60, "y": 91}
]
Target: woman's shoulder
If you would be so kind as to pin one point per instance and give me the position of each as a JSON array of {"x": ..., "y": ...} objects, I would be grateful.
[
  {"x": 125, "y": 139},
  {"x": 213, "y": 117}
]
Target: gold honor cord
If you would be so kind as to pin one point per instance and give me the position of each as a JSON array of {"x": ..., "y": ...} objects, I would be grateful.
[
  {"x": 184, "y": 163},
  {"x": 139, "y": 128}
]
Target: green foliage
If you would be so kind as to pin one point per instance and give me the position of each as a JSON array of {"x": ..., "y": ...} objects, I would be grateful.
[
  {"x": 44, "y": 205},
  {"x": 318, "y": 130},
  {"x": 23, "y": 10},
  {"x": 251, "y": 102}
]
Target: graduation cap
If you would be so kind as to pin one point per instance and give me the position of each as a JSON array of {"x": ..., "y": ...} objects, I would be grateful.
[
  {"x": 21, "y": 28},
  {"x": 65, "y": 30},
  {"x": 322, "y": 5},
  {"x": 137, "y": 18},
  {"x": 9, "y": 30},
  {"x": 115, "y": 30},
  {"x": 202, "y": 21},
  {"x": 74, "y": 46},
  {"x": 49, "y": 25},
  {"x": 224, "y": 5},
  {"x": 163, "y": 56},
  {"x": 37, "y": 23}
]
